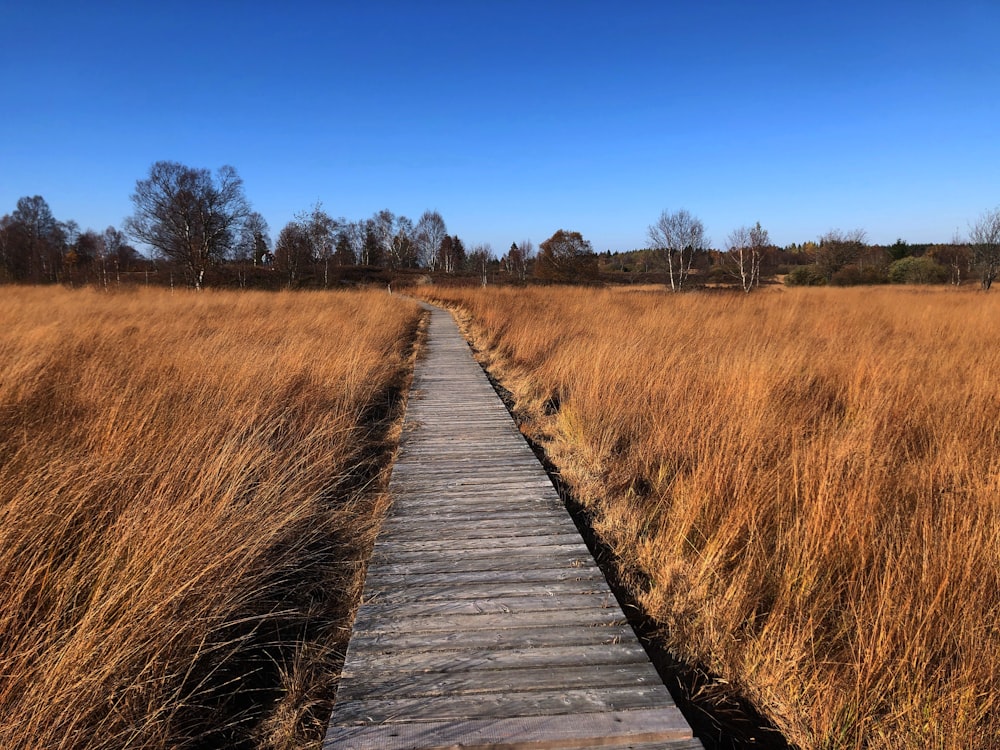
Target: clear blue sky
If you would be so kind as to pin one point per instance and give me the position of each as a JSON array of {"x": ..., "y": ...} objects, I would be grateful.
[{"x": 515, "y": 119}]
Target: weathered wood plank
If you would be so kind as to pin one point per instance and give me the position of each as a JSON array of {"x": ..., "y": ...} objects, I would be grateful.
[
  {"x": 396, "y": 579},
  {"x": 615, "y": 728},
  {"x": 423, "y": 684},
  {"x": 471, "y": 591},
  {"x": 390, "y": 621},
  {"x": 371, "y": 664},
  {"x": 495, "y": 563},
  {"x": 556, "y": 552},
  {"x": 685, "y": 744},
  {"x": 472, "y": 532},
  {"x": 459, "y": 603},
  {"x": 510, "y": 638},
  {"x": 542, "y": 703}
]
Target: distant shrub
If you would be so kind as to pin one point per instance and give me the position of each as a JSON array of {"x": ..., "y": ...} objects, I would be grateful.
[
  {"x": 805, "y": 276},
  {"x": 719, "y": 275},
  {"x": 853, "y": 275},
  {"x": 923, "y": 270}
]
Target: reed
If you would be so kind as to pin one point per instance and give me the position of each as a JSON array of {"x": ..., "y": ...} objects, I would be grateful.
[
  {"x": 802, "y": 487},
  {"x": 189, "y": 484}
]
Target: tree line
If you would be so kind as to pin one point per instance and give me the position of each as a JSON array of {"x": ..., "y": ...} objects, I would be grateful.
[
  {"x": 37, "y": 248},
  {"x": 195, "y": 223}
]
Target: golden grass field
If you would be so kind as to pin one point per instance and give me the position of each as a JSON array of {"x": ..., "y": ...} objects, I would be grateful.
[
  {"x": 188, "y": 488},
  {"x": 802, "y": 486}
]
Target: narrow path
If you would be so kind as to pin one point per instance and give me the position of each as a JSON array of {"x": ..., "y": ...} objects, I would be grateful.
[{"x": 485, "y": 621}]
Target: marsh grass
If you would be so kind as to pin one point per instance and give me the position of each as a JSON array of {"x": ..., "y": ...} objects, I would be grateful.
[
  {"x": 189, "y": 484},
  {"x": 802, "y": 486}
]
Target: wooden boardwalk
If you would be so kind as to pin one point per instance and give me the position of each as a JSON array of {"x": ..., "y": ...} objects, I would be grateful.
[{"x": 485, "y": 621}]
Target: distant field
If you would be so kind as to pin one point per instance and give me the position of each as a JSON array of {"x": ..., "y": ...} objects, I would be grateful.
[
  {"x": 803, "y": 487},
  {"x": 188, "y": 483}
]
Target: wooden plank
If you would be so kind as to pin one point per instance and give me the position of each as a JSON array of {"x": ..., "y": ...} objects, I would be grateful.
[
  {"x": 615, "y": 728},
  {"x": 472, "y": 532},
  {"x": 397, "y": 684},
  {"x": 401, "y": 515},
  {"x": 371, "y": 664},
  {"x": 383, "y": 622},
  {"x": 459, "y": 603},
  {"x": 436, "y": 592},
  {"x": 496, "y": 563},
  {"x": 465, "y": 485},
  {"x": 451, "y": 538},
  {"x": 511, "y": 638},
  {"x": 478, "y": 508},
  {"x": 685, "y": 744},
  {"x": 542, "y": 703},
  {"x": 380, "y": 577},
  {"x": 554, "y": 552}
]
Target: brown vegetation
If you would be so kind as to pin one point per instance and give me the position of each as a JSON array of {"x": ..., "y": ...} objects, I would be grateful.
[
  {"x": 183, "y": 509},
  {"x": 803, "y": 487}
]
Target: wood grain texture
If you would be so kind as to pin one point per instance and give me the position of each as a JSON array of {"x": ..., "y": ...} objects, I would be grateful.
[{"x": 485, "y": 622}]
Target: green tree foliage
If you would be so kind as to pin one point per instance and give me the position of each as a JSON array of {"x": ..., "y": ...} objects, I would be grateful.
[
  {"x": 809, "y": 275},
  {"x": 922, "y": 270}
]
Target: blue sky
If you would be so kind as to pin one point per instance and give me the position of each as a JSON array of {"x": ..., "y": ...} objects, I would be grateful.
[{"x": 515, "y": 119}]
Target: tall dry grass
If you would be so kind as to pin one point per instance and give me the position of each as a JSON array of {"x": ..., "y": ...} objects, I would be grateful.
[
  {"x": 183, "y": 509},
  {"x": 804, "y": 487}
]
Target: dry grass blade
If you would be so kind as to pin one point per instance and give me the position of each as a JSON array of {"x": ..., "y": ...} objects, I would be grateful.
[
  {"x": 803, "y": 485},
  {"x": 183, "y": 507}
]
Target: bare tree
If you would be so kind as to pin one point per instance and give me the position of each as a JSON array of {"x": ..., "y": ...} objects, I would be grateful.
[
  {"x": 838, "y": 249},
  {"x": 350, "y": 242},
  {"x": 984, "y": 236},
  {"x": 956, "y": 257},
  {"x": 401, "y": 244},
  {"x": 321, "y": 229},
  {"x": 187, "y": 216},
  {"x": 38, "y": 241},
  {"x": 293, "y": 251},
  {"x": 566, "y": 256},
  {"x": 381, "y": 229},
  {"x": 479, "y": 259},
  {"x": 429, "y": 232},
  {"x": 677, "y": 237},
  {"x": 519, "y": 263},
  {"x": 745, "y": 250},
  {"x": 255, "y": 239},
  {"x": 6, "y": 244}
]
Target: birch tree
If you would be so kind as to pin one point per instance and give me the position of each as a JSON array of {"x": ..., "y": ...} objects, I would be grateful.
[
  {"x": 745, "y": 249},
  {"x": 430, "y": 230},
  {"x": 984, "y": 236},
  {"x": 676, "y": 238}
]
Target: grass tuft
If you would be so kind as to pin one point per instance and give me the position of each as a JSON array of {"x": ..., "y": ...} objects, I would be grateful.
[
  {"x": 802, "y": 485},
  {"x": 189, "y": 484}
]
